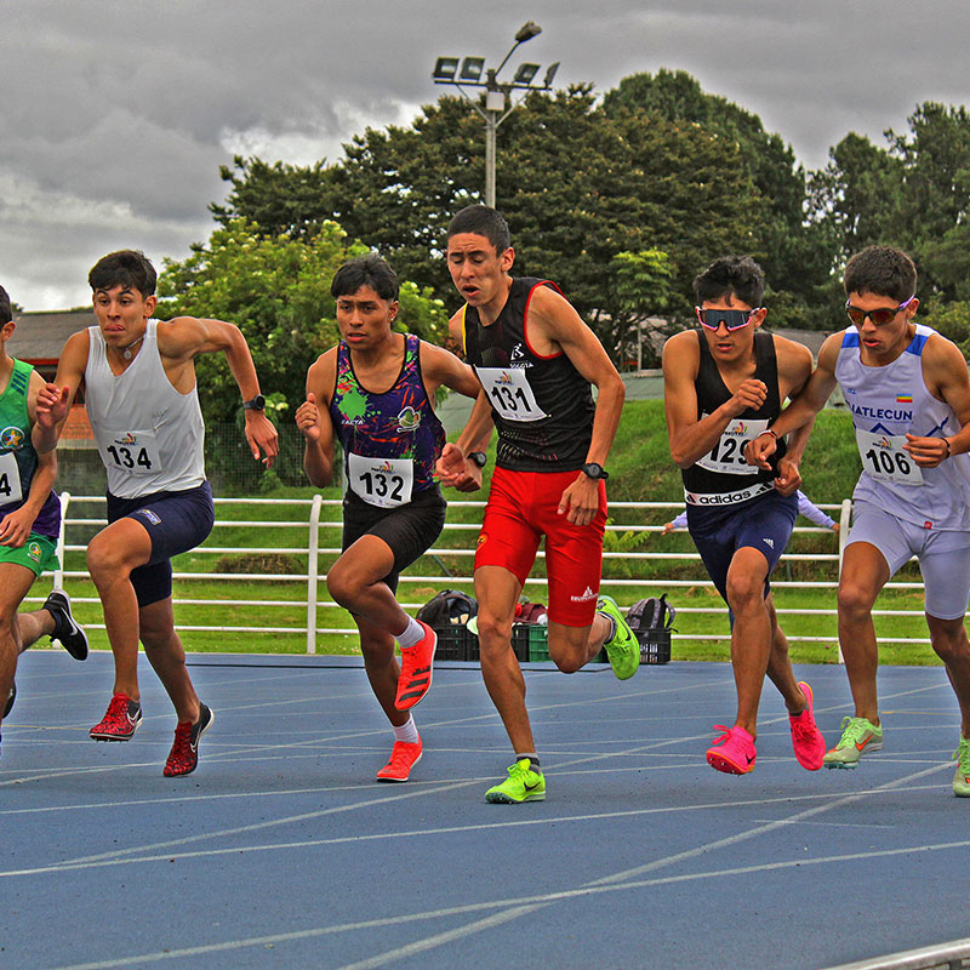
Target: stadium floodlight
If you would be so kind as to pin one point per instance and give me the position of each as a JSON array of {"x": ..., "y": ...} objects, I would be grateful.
[
  {"x": 471, "y": 68},
  {"x": 495, "y": 111},
  {"x": 525, "y": 74},
  {"x": 445, "y": 68}
]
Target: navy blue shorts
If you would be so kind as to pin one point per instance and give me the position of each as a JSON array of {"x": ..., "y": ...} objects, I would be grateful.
[
  {"x": 409, "y": 530},
  {"x": 176, "y": 522},
  {"x": 764, "y": 523}
]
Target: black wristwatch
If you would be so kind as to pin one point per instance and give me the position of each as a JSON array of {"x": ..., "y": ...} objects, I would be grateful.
[
  {"x": 478, "y": 457},
  {"x": 594, "y": 471},
  {"x": 258, "y": 403}
]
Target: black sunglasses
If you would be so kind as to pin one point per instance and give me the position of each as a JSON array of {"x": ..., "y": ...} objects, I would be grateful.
[
  {"x": 732, "y": 319},
  {"x": 880, "y": 317}
]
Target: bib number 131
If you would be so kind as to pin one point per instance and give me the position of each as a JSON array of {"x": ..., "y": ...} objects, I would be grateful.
[{"x": 510, "y": 394}]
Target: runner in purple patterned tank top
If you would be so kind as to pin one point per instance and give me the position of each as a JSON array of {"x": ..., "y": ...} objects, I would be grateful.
[{"x": 375, "y": 393}]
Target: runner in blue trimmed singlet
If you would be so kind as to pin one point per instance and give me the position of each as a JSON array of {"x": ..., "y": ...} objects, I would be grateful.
[
  {"x": 909, "y": 393},
  {"x": 374, "y": 392}
]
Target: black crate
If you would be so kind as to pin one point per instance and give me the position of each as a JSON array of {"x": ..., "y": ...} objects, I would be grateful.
[
  {"x": 654, "y": 646},
  {"x": 455, "y": 642}
]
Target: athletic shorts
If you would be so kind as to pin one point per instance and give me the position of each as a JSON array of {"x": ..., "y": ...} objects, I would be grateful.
[
  {"x": 175, "y": 522},
  {"x": 409, "y": 530},
  {"x": 37, "y": 554},
  {"x": 944, "y": 556},
  {"x": 765, "y": 523},
  {"x": 523, "y": 507}
]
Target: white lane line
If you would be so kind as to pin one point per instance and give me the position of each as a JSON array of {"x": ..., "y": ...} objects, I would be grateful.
[
  {"x": 440, "y": 939},
  {"x": 168, "y": 857},
  {"x": 730, "y": 840},
  {"x": 506, "y": 904}
]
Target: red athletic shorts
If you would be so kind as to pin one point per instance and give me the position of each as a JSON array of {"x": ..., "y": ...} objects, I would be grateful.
[{"x": 522, "y": 507}]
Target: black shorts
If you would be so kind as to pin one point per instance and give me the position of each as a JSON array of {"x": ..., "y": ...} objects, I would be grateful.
[
  {"x": 409, "y": 530},
  {"x": 765, "y": 523},
  {"x": 176, "y": 522}
]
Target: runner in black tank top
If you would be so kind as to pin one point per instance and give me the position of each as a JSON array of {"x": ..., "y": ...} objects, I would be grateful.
[
  {"x": 723, "y": 387},
  {"x": 536, "y": 360},
  {"x": 549, "y": 429}
]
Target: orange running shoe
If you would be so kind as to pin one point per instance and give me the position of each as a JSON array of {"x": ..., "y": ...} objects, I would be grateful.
[
  {"x": 417, "y": 664},
  {"x": 404, "y": 757}
]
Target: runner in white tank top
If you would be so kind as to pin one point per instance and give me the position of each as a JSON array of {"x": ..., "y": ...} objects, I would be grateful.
[
  {"x": 149, "y": 435},
  {"x": 140, "y": 388},
  {"x": 909, "y": 393}
]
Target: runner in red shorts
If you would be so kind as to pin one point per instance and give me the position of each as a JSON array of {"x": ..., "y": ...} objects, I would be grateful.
[{"x": 536, "y": 361}]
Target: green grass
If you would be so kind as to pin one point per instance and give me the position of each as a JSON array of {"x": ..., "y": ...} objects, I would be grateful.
[{"x": 641, "y": 470}]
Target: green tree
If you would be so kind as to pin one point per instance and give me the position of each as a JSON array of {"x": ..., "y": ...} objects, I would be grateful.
[
  {"x": 578, "y": 184},
  {"x": 276, "y": 289}
]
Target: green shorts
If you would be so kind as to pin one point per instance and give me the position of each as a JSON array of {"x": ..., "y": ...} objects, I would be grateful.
[{"x": 37, "y": 554}]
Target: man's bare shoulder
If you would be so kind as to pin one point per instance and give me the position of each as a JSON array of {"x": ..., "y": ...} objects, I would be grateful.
[{"x": 680, "y": 348}]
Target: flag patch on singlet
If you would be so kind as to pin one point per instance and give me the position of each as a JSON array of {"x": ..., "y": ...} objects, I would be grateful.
[{"x": 904, "y": 398}]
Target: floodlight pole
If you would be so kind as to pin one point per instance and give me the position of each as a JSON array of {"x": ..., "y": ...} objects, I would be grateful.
[{"x": 495, "y": 100}]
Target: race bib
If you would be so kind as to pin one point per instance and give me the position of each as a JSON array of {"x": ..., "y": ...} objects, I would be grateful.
[
  {"x": 10, "y": 488},
  {"x": 384, "y": 482},
  {"x": 727, "y": 456},
  {"x": 884, "y": 459},
  {"x": 509, "y": 393},
  {"x": 131, "y": 452}
]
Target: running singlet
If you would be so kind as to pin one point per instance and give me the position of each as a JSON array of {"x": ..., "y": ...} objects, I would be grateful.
[
  {"x": 542, "y": 406},
  {"x": 722, "y": 477},
  {"x": 886, "y": 403},
  {"x": 18, "y": 460},
  {"x": 391, "y": 441},
  {"x": 150, "y": 436}
]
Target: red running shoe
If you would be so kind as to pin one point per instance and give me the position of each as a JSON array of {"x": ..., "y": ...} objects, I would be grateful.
[
  {"x": 184, "y": 756},
  {"x": 806, "y": 738},
  {"x": 120, "y": 720},
  {"x": 733, "y": 752},
  {"x": 416, "y": 670},
  {"x": 404, "y": 757}
]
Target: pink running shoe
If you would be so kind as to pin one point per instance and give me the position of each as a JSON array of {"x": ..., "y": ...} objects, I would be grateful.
[
  {"x": 404, "y": 757},
  {"x": 806, "y": 738},
  {"x": 733, "y": 752},
  {"x": 416, "y": 669}
]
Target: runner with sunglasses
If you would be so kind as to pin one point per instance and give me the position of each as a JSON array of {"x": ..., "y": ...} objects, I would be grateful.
[
  {"x": 724, "y": 385},
  {"x": 909, "y": 394}
]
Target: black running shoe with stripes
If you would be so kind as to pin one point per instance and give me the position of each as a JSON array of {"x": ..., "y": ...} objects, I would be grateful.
[{"x": 71, "y": 635}]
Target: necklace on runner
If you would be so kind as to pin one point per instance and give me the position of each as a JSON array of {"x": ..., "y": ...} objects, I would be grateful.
[{"x": 126, "y": 353}]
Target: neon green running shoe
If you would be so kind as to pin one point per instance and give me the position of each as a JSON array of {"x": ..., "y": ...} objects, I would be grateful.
[
  {"x": 858, "y": 735},
  {"x": 961, "y": 780},
  {"x": 522, "y": 785},
  {"x": 624, "y": 649}
]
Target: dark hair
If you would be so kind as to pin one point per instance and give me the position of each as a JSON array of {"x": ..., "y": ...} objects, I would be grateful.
[
  {"x": 731, "y": 276},
  {"x": 483, "y": 221},
  {"x": 6, "y": 310},
  {"x": 128, "y": 268},
  {"x": 369, "y": 270},
  {"x": 883, "y": 271}
]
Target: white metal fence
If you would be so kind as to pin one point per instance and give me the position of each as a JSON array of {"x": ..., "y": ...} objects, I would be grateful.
[{"x": 316, "y": 535}]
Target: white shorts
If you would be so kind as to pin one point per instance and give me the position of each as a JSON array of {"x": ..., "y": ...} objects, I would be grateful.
[{"x": 944, "y": 557}]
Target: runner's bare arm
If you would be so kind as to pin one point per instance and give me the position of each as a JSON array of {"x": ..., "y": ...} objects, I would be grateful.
[
  {"x": 53, "y": 402},
  {"x": 692, "y": 438},
  {"x": 802, "y": 409},
  {"x": 794, "y": 373},
  {"x": 555, "y": 323},
  {"x": 184, "y": 338},
  {"x": 945, "y": 373},
  {"x": 313, "y": 420}
]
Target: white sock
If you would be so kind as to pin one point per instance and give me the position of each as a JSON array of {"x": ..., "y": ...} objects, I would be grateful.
[
  {"x": 406, "y": 732},
  {"x": 413, "y": 634}
]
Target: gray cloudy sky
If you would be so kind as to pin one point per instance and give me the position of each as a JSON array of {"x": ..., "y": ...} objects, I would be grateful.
[{"x": 117, "y": 113}]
